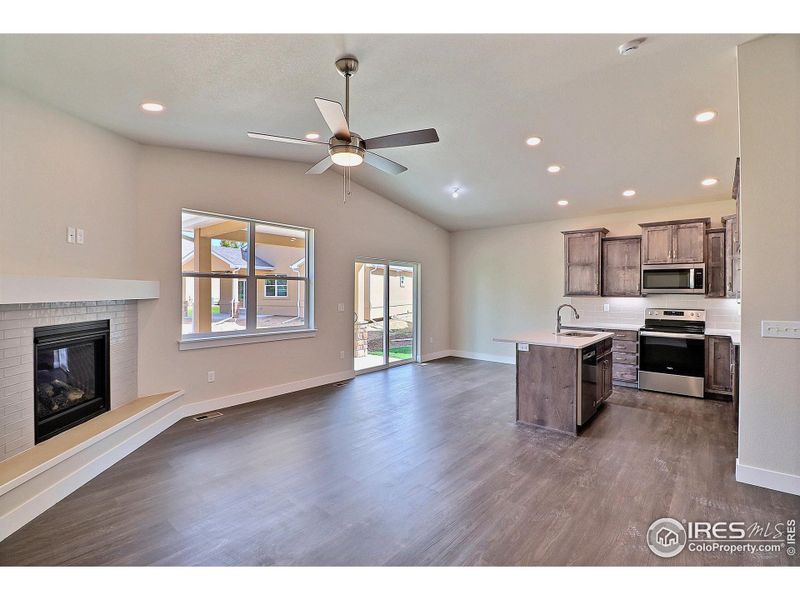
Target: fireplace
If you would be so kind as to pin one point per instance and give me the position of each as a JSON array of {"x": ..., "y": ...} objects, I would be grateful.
[{"x": 71, "y": 371}]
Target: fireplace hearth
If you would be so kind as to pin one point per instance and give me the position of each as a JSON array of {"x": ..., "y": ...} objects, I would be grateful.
[{"x": 72, "y": 372}]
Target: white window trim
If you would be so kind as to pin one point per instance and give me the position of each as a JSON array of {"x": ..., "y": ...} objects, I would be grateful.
[
  {"x": 234, "y": 339},
  {"x": 249, "y": 336}
]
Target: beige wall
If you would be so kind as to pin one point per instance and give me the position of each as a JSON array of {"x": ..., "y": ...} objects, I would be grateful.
[
  {"x": 506, "y": 279},
  {"x": 769, "y": 107},
  {"x": 367, "y": 224},
  {"x": 57, "y": 171}
]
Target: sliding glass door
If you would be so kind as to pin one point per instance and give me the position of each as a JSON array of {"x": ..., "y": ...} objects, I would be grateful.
[{"x": 385, "y": 323}]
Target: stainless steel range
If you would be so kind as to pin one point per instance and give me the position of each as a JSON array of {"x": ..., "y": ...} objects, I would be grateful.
[{"x": 672, "y": 351}]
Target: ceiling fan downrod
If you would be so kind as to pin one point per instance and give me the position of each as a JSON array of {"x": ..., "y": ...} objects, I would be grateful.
[{"x": 347, "y": 67}]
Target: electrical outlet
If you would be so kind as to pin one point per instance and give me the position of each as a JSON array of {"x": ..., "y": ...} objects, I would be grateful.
[
  {"x": 212, "y": 376},
  {"x": 606, "y": 307},
  {"x": 79, "y": 235},
  {"x": 340, "y": 308},
  {"x": 522, "y": 347},
  {"x": 430, "y": 340},
  {"x": 780, "y": 329},
  {"x": 70, "y": 235}
]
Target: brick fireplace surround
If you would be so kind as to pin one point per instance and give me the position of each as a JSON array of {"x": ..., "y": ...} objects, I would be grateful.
[{"x": 17, "y": 322}]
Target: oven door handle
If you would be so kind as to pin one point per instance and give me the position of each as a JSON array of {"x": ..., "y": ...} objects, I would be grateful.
[{"x": 682, "y": 336}]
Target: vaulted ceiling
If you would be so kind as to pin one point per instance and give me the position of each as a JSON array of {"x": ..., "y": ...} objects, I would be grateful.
[{"x": 611, "y": 122}]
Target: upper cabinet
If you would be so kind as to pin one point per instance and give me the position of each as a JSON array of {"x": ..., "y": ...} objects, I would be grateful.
[
  {"x": 715, "y": 263},
  {"x": 622, "y": 266},
  {"x": 674, "y": 242},
  {"x": 733, "y": 260},
  {"x": 582, "y": 259}
]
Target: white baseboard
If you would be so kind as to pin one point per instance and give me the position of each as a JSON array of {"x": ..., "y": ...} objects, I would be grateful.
[
  {"x": 194, "y": 408},
  {"x": 36, "y": 494},
  {"x": 773, "y": 480},
  {"x": 436, "y": 355},
  {"x": 498, "y": 358}
]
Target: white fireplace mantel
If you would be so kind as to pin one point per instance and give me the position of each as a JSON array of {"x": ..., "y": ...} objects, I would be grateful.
[{"x": 33, "y": 289}]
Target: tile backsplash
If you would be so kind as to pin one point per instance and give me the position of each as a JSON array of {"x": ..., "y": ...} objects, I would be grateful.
[{"x": 721, "y": 313}]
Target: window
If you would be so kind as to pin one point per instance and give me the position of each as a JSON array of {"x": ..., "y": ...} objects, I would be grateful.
[
  {"x": 276, "y": 288},
  {"x": 222, "y": 277}
]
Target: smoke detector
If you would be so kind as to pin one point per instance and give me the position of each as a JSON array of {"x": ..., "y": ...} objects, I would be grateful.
[{"x": 631, "y": 46}]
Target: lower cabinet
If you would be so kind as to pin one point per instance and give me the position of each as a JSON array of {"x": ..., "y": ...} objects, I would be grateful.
[
  {"x": 605, "y": 377},
  {"x": 624, "y": 364},
  {"x": 720, "y": 366}
]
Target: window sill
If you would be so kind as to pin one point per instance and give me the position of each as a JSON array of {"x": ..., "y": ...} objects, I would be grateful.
[{"x": 244, "y": 338}]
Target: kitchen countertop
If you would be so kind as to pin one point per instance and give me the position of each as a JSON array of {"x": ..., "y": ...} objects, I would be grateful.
[
  {"x": 542, "y": 337},
  {"x": 734, "y": 334},
  {"x": 596, "y": 325}
]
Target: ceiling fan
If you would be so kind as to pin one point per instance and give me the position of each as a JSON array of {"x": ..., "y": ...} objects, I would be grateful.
[{"x": 346, "y": 148}]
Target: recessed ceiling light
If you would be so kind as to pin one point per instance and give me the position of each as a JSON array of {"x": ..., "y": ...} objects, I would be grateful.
[
  {"x": 710, "y": 181},
  {"x": 705, "y": 116},
  {"x": 455, "y": 192},
  {"x": 553, "y": 169},
  {"x": 563, "y": 202},
  {"x": 312, "y": 135},
  {"x": 151, "y": 107},
  {"x": 533, "y": 141},
  {"x": 629, "y": 193}
]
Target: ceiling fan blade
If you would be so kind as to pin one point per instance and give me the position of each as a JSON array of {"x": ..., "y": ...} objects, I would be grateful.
[
  {"x": 383, "y": 163},
  {"x": 407, "y": 138},
  {"x": 333, "y": 113},
  {"x": 281, "y": 138},
  {"x": 321, "y": 166}
]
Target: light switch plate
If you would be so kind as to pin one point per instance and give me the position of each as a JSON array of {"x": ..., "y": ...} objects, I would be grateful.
[
  {"x": 70, "y": 235},
  {"x": 522, "y": 347},
  {"x": 780, "y": 329},
  {"x": 79, "y": 235},
  {"x": 340, "y": 308}
]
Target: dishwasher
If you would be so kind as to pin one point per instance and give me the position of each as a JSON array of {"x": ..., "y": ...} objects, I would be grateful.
[{"x": 595, "y": 379}]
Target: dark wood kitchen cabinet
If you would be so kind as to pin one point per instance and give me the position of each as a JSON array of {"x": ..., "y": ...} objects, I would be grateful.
[
  {"x": 674, "y": 242},
  {"x": 582, "y": 260},
  {"x": 604, "y": 376},
  {"x": 622, "y": 266},
  {"x": 733, "y": 261},
  {"x": 720, "y": 365},
  {"x": 715, "y": 263}
]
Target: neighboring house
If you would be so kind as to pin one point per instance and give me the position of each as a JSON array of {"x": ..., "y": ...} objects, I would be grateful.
[
  {"x": 276, "y": 297},
  {"x": 369, "y": 292}
]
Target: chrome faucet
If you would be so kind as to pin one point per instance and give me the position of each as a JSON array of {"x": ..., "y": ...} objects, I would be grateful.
[{"x": 558, "y": 316}]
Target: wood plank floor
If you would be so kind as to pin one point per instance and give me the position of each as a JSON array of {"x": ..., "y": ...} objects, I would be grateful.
[{"x": 417, "y": 465}]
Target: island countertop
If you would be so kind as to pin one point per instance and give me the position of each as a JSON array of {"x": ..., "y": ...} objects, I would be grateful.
[{"x": 542, "y": 337}]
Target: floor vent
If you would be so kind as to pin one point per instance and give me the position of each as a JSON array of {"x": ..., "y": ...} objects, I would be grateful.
[
  {"x": 340, "y": 384},
  {"x": 207, "y": 416}
]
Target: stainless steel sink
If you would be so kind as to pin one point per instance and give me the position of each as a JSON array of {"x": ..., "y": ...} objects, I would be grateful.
[{"x": 576, "y": 334}]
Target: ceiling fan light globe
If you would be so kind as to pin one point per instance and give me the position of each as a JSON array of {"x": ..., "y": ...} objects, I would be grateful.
[
  {"x": 347, "y": 159},
  {"x": 347, "y": 156}
]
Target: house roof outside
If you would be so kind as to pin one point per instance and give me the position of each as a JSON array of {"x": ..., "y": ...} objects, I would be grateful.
[{"x": 236, "y": 258}]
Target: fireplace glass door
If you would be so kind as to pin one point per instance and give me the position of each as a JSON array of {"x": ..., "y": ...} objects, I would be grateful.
[{"x": 71, "y": 376}]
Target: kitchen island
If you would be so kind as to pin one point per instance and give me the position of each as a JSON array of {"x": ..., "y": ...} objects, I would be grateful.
[{"x": 563, "y": 378}]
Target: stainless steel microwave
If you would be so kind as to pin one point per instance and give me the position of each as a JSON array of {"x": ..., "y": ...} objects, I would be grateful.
[{"x": 673, "y": 279}]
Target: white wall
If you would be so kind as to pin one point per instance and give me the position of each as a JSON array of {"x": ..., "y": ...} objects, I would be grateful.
[
  {"x": 55, "y": 171},
  {"x": 505, "y": 279},
  {"x": 769, "y": 109},
  {"x": 367, "y": 225}
]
